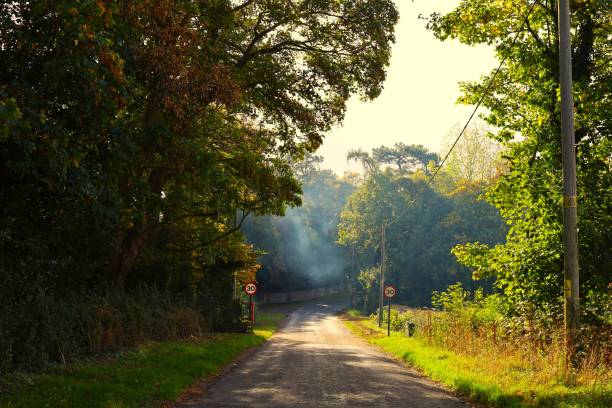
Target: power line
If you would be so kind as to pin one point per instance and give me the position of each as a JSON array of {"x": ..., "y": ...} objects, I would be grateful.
[
  {"x": 433, "y": 176},
  {"x": 482, "y": 97}
]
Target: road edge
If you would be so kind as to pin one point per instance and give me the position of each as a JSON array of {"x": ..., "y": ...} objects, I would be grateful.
[
  {"x": 343, "y": 317},
  {"x": 192, "y": 396}
]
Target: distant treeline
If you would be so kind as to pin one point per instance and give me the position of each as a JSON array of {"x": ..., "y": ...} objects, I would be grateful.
[
  {"x": 419, "y": 234},
  {"x": 335, "y": 236}
]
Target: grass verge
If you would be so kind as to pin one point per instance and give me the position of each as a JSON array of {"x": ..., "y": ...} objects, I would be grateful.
[
  {"x": 149, "y": 376},
  {"x": 501, "y": 382}
]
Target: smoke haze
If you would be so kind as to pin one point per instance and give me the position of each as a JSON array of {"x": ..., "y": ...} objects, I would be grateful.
[{"x": 300, "y": 248}]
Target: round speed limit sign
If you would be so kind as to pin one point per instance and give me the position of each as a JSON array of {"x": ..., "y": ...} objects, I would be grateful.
[
  {"x": 390, "y": 291},
  {"x": 250, "y": 288}
]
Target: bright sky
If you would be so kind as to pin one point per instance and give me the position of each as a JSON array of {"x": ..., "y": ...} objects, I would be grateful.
[{"x": 417, "y": 105}]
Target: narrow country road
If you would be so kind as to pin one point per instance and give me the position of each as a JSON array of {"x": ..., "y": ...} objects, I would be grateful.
[{"x": 314, "y": 361}]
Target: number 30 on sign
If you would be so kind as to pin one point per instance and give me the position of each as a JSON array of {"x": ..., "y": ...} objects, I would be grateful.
[
  {"x": 390, "y": 291},
  {"x": 250, "y": 288}
]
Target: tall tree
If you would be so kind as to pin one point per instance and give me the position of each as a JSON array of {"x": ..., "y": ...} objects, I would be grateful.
[
  {"x": 525, "y": 102},
  {"x": 407, "y": 158},
  {"x": 128, "y": 121},
  {"x": 255, "y": 49}
]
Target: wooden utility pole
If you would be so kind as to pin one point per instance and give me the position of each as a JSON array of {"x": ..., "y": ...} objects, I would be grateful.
[
  {"x": 381, "y": 301},
  {"x": 570, "y": 202},
  {"x": 352, "y": 275}
]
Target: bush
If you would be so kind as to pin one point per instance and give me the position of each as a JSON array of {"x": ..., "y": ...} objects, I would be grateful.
[
  {"x": 46, "y": 329},
  {"x": 477, "y": 324}
]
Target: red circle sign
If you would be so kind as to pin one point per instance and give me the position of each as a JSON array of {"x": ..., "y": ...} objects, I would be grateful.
[
  {"x": 390, "y": 291},
  {"x": 250, "y": 288}
]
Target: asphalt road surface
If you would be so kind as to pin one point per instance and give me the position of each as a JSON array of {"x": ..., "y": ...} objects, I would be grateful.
[{"x": 314, "y": 361}]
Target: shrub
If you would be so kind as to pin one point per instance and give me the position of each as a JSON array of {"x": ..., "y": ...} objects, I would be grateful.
[
  {"x": 476, "y": 324},
  {"x": 46, "y": 329}
]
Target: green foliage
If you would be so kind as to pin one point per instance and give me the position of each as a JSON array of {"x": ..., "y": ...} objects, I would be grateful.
[
  {"x": 452, "y": 299},
  {"x": 494, "y": 360},
  {"x": 472, "y": 324},
  {"x": 475, "y": 308},
  {"x": 528, "y": 267},
  {"x": 150, "y": 376},
  {"x": 133, "y": 145},
  {"x": 368, "y": 279},
  {"x": 492, "y": 376},
  {"x": 475, "y": 157},
  {"x": 50, "y": 329},
  {"x": 461, "y": 309},
  {"x": 407, "y": 158},
  {"x": 419, "y": 241}
]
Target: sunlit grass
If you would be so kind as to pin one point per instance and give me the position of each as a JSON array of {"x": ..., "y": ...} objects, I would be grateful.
[
  {"x": 146, "y": 377},
  {"x": 352, "y": 313},
  {"x": 501, "y": 381}
]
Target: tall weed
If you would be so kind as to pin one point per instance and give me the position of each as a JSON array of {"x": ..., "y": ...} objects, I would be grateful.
[{"x": 474, "y": 324}]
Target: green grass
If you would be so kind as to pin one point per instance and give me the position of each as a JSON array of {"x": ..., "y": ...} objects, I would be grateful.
[
  {"x": 146, "y": 377},
  {"x": 352, "y": 313},
  {"x": 499, "y": 382}
]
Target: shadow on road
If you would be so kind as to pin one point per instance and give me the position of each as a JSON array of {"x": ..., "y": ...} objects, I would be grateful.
[{"x": 315, "y": 362}]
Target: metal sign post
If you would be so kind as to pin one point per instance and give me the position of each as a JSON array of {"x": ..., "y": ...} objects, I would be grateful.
[
  {"x": 251, "y": 289},
  {"x": 389, "y": 318},
  {"x": 390, "y": 291},
  {"x": 252, "y": 308}
]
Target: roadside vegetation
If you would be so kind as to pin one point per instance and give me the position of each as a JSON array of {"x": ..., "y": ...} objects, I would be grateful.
[
  {"x": 149, "y": 148},
  {"x": 467, "y": 351},
  {"x": 151, "y": 375},
  {"x": 492, "y": 219},
  {"x": 136, "y": 137}
]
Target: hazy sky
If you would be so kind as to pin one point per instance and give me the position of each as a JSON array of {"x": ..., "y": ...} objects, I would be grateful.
[{"x": 417, "y": 105}]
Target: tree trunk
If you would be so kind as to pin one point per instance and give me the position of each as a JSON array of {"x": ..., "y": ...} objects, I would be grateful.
[
  {"x": 127, "y": 252},
  {"x": 131, "y": 241}
]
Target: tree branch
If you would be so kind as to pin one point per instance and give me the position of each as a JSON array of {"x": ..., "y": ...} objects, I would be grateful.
[
  {"x": 243, "y": 5},
  {"x": 220, "y": 237},
  {"x": 256, "y": 38},
  {"x": 194, "y": 215},
  {"x": 535, "y": 36}
]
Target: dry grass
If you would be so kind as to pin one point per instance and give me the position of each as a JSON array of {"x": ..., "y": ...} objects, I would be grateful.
[{"x": 490, "y": 367}]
